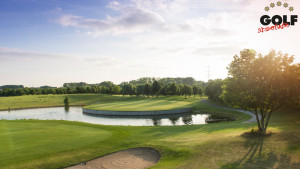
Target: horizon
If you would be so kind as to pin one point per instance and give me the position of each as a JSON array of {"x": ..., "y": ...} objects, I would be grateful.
[
  {"x": 157, "y": 78},
  {"x": 51, "y": 43}
]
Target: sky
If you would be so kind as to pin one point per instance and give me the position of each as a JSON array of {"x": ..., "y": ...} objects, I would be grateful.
[{"x": 50, "y": 42}]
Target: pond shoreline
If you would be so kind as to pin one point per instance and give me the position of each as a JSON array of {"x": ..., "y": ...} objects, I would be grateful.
[
  {"x": 25, "y": 108},
  {"x": 136, "y": 113}
]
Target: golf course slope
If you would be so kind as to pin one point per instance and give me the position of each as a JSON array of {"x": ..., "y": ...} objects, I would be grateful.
[{"x": 139, "y": 107}]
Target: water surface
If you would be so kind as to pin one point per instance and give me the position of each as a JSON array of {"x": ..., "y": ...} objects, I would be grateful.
[{"x": 76, "y": 114}]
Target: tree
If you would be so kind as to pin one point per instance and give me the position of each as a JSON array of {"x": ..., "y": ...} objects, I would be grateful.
[
  {"x": 128, "y": 89},
  {"x": 103, "y": 89},
  {"x": 258, "y": 84},
  {"x": 195, "y": 90},
  {"x": 200, "y": 91},
  {"x": 116, "y": 89},
  {"x": 132, "y": 90},
  {"x": 186, "y": 90},
  {"x": 292, "y": 79},
  {"x": 181, "y": 89},
  {"x": 66, "y": 101},
  {"x": 214, "y": 89},
  {"x": 147, "y": 89},
  {"x": 174, "y": 89},
  {"x": 156, "y": 86},
  {"x": 189, "y": 91},
  {"x": 164, "y": 89},
  {"x": 140, "y": 90}
]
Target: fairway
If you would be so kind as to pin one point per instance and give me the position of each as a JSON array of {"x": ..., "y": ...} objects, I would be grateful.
[
  {"x": 35, "y": 101},
  {"x": 141, "y": 105}
]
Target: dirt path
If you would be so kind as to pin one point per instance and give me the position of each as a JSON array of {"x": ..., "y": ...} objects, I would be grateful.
[
  {"x": 253, "y": 118},
  {"x": 134, "y": 158}
]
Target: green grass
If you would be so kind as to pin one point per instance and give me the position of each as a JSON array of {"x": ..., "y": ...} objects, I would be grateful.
[
  {"x": 141, "y": 105},
  {"x": 57, "y": 144},
  {"x": 33, "y": 101}
]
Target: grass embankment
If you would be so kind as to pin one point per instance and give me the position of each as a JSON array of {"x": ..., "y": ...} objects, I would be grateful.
[{"x": 56, "y": 144}]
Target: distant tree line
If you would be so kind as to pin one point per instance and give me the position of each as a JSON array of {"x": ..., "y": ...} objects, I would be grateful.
[
  {"x": 12, "y": 87},
  {"x": 144, "y": 86}
]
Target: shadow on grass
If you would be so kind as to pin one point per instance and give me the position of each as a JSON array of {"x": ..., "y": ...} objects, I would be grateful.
[
  {"x": 256, "y": 158},
  {"x": 168, "y": 131}
]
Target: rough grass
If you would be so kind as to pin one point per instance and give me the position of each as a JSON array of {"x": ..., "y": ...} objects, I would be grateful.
[{"x": 56, "y": 144}]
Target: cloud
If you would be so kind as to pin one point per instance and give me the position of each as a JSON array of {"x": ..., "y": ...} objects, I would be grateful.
[
  {"x": 104, "y": 61},
  {"x": 140, "y": 16},
  {"x": 131, "y": 19},
  {"x": 12, "y": 53},
  {"x": 217, "y": 51}
]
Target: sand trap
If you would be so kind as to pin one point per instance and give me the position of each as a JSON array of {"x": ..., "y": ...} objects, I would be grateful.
[{"x": 134, "y": 158}]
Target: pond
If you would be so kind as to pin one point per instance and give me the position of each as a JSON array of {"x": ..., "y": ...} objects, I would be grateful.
[{"x": 76, "y": 114}]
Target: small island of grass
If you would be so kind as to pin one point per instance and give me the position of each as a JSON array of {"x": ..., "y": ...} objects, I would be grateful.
[{"x": 150, "y": 106}]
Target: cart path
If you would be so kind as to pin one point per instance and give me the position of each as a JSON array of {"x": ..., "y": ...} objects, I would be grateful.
[{"x": 253, "y": 117}]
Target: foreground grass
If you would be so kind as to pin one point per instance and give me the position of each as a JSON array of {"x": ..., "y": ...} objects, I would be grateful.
[{"x": 57, "y": 144}]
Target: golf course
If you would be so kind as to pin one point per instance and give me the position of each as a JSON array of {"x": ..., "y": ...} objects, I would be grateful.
[
  {"x": 149, "y": 84},
  {"x": 141, "y": 105},
  {"x": 59, "y": 144}
]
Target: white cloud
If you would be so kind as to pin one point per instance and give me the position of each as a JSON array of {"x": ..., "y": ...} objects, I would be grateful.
[
  {"x": 130, "y": 20},
  {"x": 104, "y": 61},
  {"x": 12, "y": 54},
  {"x": 17, "y": 55}
]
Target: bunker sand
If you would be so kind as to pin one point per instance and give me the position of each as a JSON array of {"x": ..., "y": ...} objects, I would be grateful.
[{"x": 134, "y": 158}]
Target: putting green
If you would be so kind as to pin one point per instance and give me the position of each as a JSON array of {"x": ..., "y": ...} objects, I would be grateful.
[{"x": 141, "y": 105}]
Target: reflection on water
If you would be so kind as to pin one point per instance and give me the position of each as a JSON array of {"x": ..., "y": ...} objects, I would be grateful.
[
  {"x": 67, "y": 108},
  {"x": 174, "y": 120},
  {"x": 187, "y": 120},
  {"x": 75, "y": 114}
]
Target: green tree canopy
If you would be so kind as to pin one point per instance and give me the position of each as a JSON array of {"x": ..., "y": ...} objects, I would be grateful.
[
  {"x": 258, "y": 83},
  {"x": 195, "y": 90},
  {"x": 147, "y": 89},
  {"x": 156, "y": 86},
  {"x": 214, "y": 89}
]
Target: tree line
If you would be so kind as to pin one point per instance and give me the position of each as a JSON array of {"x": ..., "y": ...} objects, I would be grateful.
[{"x": 143, "y": 86}]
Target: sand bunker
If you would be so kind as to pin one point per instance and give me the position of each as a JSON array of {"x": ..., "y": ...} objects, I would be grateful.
[{"x": 134, "y": 158}]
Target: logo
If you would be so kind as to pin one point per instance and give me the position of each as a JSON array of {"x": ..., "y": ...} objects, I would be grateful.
[{"x": 277, "y": 22}]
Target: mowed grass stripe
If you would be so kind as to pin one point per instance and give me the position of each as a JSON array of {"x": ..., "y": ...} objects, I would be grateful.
[
  {"x": 142, "y": 105},
  {"x": 33, "y": 101}
]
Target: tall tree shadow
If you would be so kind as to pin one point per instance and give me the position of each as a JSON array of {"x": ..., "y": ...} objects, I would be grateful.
[{"x": 256, "y": 158}]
